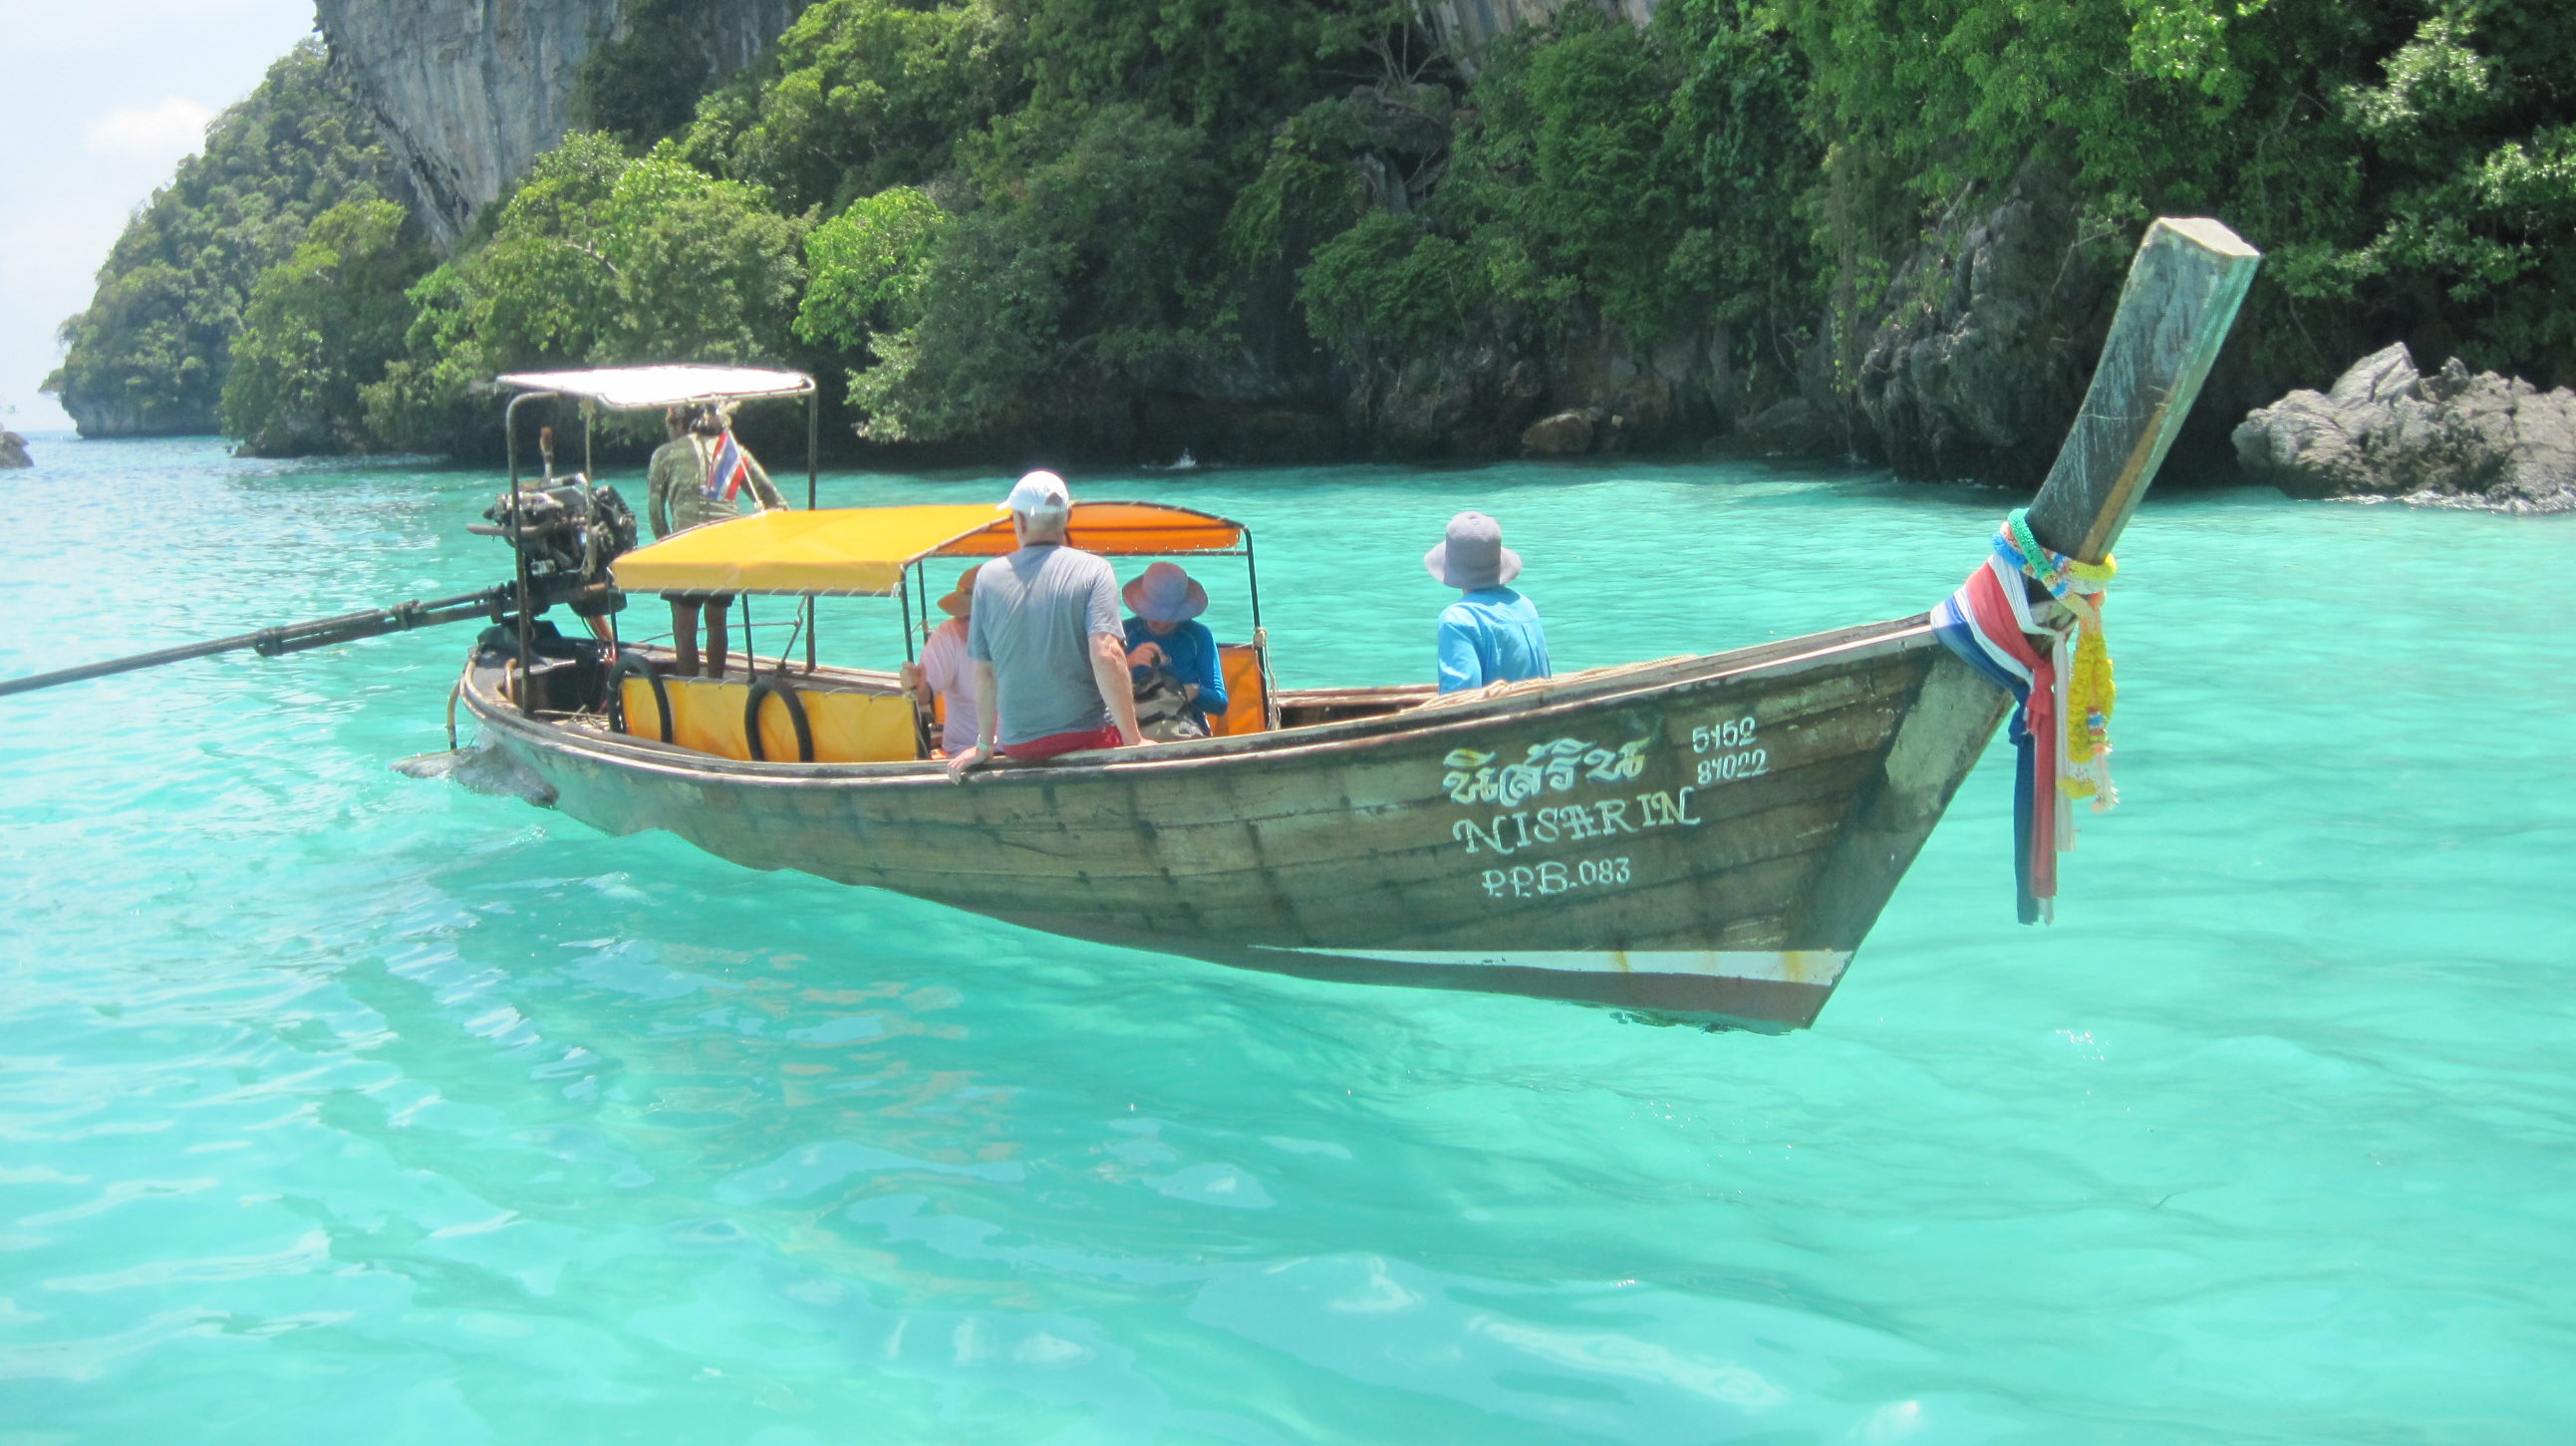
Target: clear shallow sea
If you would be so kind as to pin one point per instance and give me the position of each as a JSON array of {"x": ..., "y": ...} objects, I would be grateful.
[{"x": 340, "y": 1107}]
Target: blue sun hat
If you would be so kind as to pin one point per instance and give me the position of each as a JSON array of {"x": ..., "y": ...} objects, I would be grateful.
[
  {"x": 1163, "y": 593},
  {"x": 1472, "y": 556}
]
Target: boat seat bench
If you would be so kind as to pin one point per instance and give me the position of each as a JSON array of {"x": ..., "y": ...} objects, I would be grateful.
[{"x": 852, "y": 724}]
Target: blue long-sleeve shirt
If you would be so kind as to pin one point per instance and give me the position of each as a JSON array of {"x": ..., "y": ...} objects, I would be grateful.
[
  {"x": 1191, "y": 649},
  {"x": 1491, "y": 635}
]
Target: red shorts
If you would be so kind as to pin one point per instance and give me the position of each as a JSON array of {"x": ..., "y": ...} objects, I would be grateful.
[{"x": 1055, "y": 743}]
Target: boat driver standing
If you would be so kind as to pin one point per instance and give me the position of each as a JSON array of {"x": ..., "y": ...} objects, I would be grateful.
[
  {"x": 1043, "y": 630},
  {"x": 695, "y": 478}
]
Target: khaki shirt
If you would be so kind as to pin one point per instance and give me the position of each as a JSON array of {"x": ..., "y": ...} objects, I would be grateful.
[{"x": 676, "y": 486}]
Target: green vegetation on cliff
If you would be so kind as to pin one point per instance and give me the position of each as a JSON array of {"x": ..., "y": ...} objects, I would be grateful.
[
  {"x": 320, "y": 327},
  {"x": 151, "y": 352},
  {"x": 2410, "y": 168},
  {"x": 993, "y": 221},
  {"x": 599, "y": 258}
]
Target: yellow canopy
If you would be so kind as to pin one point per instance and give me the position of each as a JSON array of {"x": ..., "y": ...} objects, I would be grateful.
[{"x": 863, "y": 550}]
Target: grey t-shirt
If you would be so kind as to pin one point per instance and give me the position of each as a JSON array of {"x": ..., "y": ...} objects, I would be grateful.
[{"x": 1035, "y": 612}]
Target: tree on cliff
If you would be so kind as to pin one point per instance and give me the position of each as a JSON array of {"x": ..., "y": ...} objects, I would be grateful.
[
  {"x": 150, "y": 353},
  {"x": 2409, "y": 168},
  {"x": 320, "y": 326},
  {"x": 598, "y": 259}
]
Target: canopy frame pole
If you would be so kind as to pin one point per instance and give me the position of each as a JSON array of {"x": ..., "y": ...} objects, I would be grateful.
[
  {"x": 813, "y": 488},
  {"x": 590, "y": 491},
  {"x": 1252, "y": 579},
  {"x": 510, "y": 442},
  {"x": 903, "y": 594}
]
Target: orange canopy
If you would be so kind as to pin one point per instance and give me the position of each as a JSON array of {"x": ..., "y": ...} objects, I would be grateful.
[
  {"x": 863, "y": 551},
  {"x": 1113, "y": 529}
]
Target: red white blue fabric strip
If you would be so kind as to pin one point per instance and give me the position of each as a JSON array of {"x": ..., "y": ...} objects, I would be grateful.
[
  {"x": 732, "y": 468},
  {"x": 1987, "y": 623}
]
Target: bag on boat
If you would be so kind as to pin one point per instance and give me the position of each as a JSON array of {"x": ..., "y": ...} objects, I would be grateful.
[{"x": 1163, "y": 710}]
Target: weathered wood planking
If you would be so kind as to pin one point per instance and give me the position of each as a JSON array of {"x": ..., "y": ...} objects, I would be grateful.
[
  {"x": 1680, "y": 806},
  {"x": 2184, "y": 287},
  {"x": 1710, "y": 835}
]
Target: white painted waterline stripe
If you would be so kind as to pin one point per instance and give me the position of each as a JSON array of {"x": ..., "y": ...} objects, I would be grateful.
[{"x": 1784, "y": 966}]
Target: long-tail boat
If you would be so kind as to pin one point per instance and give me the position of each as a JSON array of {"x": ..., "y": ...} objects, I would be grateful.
[{"x": 1708, "y": 837}]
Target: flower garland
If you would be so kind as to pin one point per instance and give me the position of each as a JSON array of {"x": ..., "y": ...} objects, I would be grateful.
[{"x": 2090, "y": 693}]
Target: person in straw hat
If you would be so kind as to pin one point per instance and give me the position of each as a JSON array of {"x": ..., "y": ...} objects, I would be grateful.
[
  {"x": 945, "y": 672},
  {"x": 1491, "y": 634},
  {"x": 1162, "y": 634}
]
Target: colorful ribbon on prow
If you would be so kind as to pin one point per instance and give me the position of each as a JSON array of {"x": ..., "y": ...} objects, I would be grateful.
[{"x": 2065, "y": 700}]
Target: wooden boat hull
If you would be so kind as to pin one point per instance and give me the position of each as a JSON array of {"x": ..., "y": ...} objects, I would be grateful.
[{"x": 1709, "y": 837}]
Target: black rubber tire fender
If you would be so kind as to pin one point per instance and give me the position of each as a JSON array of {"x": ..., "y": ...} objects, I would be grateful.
[
  {"x": 635, "y": 665},
  {"x": 762, "y": 688}
]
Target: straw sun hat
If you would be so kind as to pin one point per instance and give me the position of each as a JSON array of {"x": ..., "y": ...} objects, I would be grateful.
[{"x": 957, "y": 604}]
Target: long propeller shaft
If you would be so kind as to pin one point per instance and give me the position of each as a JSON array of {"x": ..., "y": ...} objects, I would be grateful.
[{"x": 288, "y": 638}]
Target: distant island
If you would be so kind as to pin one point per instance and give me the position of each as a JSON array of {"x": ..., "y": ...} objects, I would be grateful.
[{"x": 1341, "y": 228}]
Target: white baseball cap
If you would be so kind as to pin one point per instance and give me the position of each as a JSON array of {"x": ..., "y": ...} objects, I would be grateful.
[{"x": 1039, "y": 494}]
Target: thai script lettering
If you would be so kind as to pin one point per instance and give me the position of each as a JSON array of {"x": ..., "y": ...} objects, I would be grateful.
[{"x": 1552, "y": 767}]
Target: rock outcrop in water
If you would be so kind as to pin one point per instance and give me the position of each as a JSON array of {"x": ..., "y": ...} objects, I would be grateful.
[
  {"x": 13, "y": 452},
  {"x": 470, "y": 92},
  {"x": 2454, "y": 438}
]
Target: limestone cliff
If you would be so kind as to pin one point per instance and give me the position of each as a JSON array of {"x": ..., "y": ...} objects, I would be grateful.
[
  {"x": 1465, "y": 27},
  {"x": 470, "y": 92}
]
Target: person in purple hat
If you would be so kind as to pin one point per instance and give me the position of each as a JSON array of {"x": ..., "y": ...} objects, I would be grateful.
[
  {"x": 1165, "y": 600},
  {"x": 1491, "y": 634}
]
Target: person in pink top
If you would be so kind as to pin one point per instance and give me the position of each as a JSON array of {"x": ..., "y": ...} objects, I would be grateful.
[{"x": 946, "y": 672}]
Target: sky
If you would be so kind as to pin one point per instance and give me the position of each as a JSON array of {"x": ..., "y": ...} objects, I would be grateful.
[{"x": 102, "y": 98}]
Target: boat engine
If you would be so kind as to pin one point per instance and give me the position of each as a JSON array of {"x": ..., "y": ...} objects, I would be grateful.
[{"x": 568, "y": 532}]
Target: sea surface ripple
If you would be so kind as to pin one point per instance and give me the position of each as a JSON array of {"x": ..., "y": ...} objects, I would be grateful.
[{"x": 341, "y": 1107}]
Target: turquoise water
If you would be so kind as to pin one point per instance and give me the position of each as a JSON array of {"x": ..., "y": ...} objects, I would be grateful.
[{"x": 338, "y": 1107}]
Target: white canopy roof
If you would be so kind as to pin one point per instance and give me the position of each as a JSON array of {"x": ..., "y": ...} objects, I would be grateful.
[{"x": 627, "y": 389}]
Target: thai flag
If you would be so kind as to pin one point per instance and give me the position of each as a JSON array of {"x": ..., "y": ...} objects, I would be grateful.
[
  {"x": 1987, "y": 623},
  {"x": 731, "y": 470}
]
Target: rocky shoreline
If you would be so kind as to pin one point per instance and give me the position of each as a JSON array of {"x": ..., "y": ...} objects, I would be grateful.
[{"x": 2451, "y": 438}]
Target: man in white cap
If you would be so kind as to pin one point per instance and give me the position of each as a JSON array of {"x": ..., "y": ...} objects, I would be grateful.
[
  {"x": 1491, "y": 634},
  {"x": 1043, "y": 631}
]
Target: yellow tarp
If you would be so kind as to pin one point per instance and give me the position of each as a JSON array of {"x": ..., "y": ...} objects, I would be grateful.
[
  {"x": 863, "y": 550},
  {"x": 706, "y": 714},
  {"x": 837, "y": 550}
]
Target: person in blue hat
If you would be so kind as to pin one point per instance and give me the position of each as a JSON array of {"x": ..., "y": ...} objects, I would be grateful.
[
  {"x": 1164, "y": 634},
  {"x": 1491, "y": 634}
]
